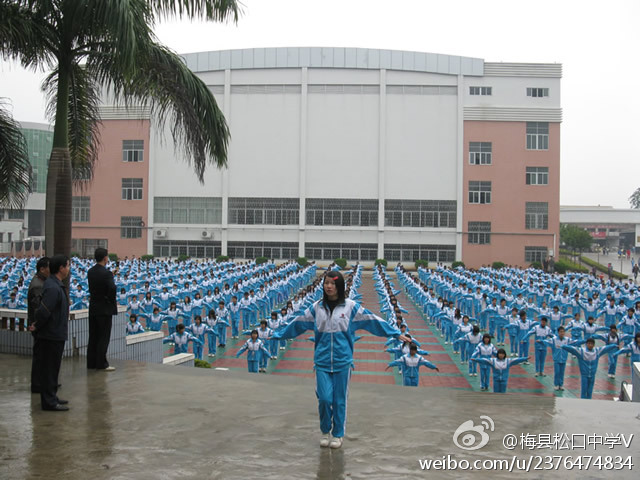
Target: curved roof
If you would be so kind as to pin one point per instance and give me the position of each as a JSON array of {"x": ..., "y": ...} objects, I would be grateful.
[{"x": 333, "y": 57}]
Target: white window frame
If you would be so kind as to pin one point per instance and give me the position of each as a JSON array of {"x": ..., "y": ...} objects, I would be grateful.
[
  {"x": 537, "y": 140},
  {"x": 132, "y": 188},
  {"x": 480, "y": 192},
  {"x": 482, "y": 157},
  {"x": 132, "y": 151},
  {"x": 537, "y": 176},
  {"x": 537, "y": 92},
  {"x": 483, "y": 91}
]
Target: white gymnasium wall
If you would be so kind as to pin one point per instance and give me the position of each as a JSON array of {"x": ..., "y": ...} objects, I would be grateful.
[
  {"x": 264, "y": 150},
  {"x": 342, "y": 145},
  {"x": 512, "y": 92},
  {"x": 421, "y": 147}
]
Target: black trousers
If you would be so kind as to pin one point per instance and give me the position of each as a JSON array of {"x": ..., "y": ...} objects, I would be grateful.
[
  {"x": 36, "y": 365},
  {"x": 51, "y": 357},
  {"x": 99, "y": 337}
]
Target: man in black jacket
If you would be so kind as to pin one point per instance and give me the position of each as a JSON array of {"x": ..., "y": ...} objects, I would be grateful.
[
  {"x": 102, "y": 306},
  {"x": 50, "y": 327},
  {"x": 34, "y": 296}
]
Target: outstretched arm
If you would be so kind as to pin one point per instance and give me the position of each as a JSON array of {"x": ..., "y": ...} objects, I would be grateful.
[
  {"x": 363, "y": 319},
  {"x": 298, "y": 325},
  {"x": 428, "y": 364}
]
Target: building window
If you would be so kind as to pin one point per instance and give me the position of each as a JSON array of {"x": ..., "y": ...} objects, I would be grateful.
[
  {"x": 341, "y": 211},
  {"x": 420, "y": 213},
  {"x": 131, "y": 189},
  {"x": 480, "y": 153},
  {"x": 248, "y": 250},
  {"x": 189, "y": 210},
  {"x": 132, "y": 150},
  {"x": 479, "y": 90},
  {"x": 86, "y": 247},
  {"x": 479, "y": 192},
  {"x": 536, "y": 216},
  {"x": 479, "y": 233},
  {"x": 16, "y": 214},
  {"x": 537, "y": 92},
  {"x": 537, "y": 176},
  {"x": 130, "y": 227},
  {"x": 80, "y": 209},
  {"x": 353, "y": 252},
  {"x": 264, "y": 211},
  {"x": 191, "y": 248},
  {"x": 411, "y": 253},
  {"x": 535, "y": 254},
  {"x": 537, "y": 135}
]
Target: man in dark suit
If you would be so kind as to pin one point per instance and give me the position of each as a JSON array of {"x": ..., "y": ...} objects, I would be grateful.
[
  {"x": 102, "y": 306},
  {"x": 34, "y": 296},
  {"x": 50, "y": 327}
]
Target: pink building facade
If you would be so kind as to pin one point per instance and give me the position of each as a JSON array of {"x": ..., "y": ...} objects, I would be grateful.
[{"x": 112, "y": 210}]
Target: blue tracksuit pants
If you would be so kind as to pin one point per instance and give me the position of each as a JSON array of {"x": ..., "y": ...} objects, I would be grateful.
[
  {"x": 558, "y": 374},
  {"x": 541, "y": 355},
  {"x": 410, "y": 381},
  {"x": 332, "y": 390}
]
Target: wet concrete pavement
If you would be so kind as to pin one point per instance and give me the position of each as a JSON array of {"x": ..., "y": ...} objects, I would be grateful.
[{"x": 151, "y": 421}]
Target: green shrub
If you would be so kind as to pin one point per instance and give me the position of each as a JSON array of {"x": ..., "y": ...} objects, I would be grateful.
[
  {"x": 381, "y": 261},
  {"x": 183, "y": 258},
  {"x": 457, "y": 264},
  {"x": 497, "y": 265},
  {"x": 341, "y": 262},
  {"x": 201, "y": 363},
  {"x": 422, "y": 263},
  {"x": 261, "y": 260},
  {"x": 75, "y": 254},
  {"x": 113, "y": 257},
  {"x": 302, "y": 261},
  {"x": 537, "y": 265},
  {"x": 146, "y": 257},
  {"x": 564, "y": 265},
  {"x": 602, "y": 268},
  {"x": 222, "y": 258}
]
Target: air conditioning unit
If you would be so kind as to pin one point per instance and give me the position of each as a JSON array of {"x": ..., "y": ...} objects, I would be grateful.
[
  {"x": 205, "y": 234},
  {"x": 160, "y": 233}
]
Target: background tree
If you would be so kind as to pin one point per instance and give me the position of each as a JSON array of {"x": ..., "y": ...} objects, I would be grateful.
[
  {"x": 92, "y": 46},
  {"x": 634, "y": 199},
  {"x": 15, "y": 169},
  {"x": 575, "y": 238}
]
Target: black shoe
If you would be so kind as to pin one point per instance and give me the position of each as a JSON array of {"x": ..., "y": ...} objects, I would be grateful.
[
  {"x": 62, "y": 402},
  {"x": 35, "y": 390},
  {"x": 57, "y": 408}
]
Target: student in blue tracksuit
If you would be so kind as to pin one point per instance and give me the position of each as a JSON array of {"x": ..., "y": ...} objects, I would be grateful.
[
  {"x": 500, "y": 366},
  {"x": 588, "y": 358},
  {"x": 234, "y": 316},
  {"x": 633, "y": 348},
  {"x": 212, "y": 333},
  {"x": 484, "y": 350},
  {"x": 541, "y": 332},
  {"x": 198, "y": 330},
  {"x": 180, "y": 339},
  {"x": 612, "y": 338},
  {"x": 410, "y": 364},
  {"x": 134, "y": 326},
  {"x": 559, "y": 355},
  {"x": 334, "y": 320},
  {"x": 256, "y": 349}
]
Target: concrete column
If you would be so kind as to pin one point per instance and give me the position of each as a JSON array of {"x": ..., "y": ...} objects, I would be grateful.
[
  {"x": 302, "y": 179},
  {"x": 224, "y": 187},
  {"x": 460, "y": 166},
  {"x": 382, "y": 158}
]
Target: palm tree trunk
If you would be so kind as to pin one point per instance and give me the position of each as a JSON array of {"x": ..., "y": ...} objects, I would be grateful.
[{"x": 58, "y": 207}]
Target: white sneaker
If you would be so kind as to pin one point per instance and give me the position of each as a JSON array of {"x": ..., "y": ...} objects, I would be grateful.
[
  {"x": 336, "y": 442},
  {"x": 110, "y": 369},
  {"x": 324, "y": 440}
]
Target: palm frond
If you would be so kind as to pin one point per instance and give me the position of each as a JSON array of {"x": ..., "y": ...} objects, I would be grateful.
[
  {"x": 175, "y": 95},
  {"x": 15, "y": 168},
  {"x": 216, "y": 10},
  {"x": 83, "y": 118},
  {"x": 24, "y": 35}
]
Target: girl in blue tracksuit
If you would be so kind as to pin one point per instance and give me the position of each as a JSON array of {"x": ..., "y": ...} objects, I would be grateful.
[
  {"x": 234, "y": 316},
  {"x": 500, "y": 366},
  {"x": 334, "y": 320},
  {"x": 181, "y": 340},
  {"x": 484, "y": 350},
  {"x": 470, "y": 342},
  {"x": 559, "y": 355},
  {"x": 199, "y": 330},
  {"x": 410, "y": 364},
  {"x": 633, "y": 348},
  {"x": 256, "y": 350},
  {"x": 222, "y": 313},
  {"x": 154, "y": 321},
  {"x": 134, "y": 326},
  {"x": 212, "y": 334},
  {"x": 171, "y": 315},
  {"x": 524, "y": 326},
  {"x": 588, "y": 358}
]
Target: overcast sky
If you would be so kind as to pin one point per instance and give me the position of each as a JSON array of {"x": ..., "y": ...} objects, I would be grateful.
[{"x": 597, "y": 43}]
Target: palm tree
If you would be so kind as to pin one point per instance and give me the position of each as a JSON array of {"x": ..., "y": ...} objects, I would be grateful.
[
  {"x": 15, "y": 169},
  {"x": 92, "y": 46}
]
